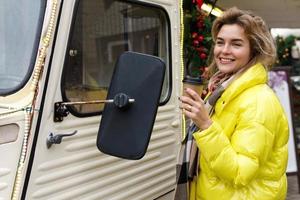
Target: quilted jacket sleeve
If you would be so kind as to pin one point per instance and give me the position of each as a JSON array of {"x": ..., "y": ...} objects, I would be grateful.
[{"x": 237, "y": 159}]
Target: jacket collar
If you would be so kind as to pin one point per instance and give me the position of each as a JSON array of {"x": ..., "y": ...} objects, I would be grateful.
[{"x": 255, "y": 75}]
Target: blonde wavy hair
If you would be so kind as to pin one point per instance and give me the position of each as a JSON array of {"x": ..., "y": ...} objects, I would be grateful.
[{"x": 261, "y": 41}]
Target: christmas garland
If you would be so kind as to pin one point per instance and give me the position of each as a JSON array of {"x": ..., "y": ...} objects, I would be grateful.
[{"x": 197, "y": 38}]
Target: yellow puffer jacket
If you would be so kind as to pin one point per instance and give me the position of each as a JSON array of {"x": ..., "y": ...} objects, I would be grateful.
[{"x": 244, "y": 152}]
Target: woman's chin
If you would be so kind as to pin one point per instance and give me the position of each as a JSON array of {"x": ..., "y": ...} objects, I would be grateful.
[{"x": 225, "y": 69}]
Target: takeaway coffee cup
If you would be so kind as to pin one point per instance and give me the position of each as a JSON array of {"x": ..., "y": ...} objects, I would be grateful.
[{"x": 194, "y": 83}]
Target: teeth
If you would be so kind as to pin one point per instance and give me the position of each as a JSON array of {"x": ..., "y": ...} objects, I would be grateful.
[{"x": 226, "y": 59}]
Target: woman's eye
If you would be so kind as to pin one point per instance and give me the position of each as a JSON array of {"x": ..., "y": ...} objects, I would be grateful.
[
  {"x": 219, "y": 43},
  {"x": 237, "y": 44}
]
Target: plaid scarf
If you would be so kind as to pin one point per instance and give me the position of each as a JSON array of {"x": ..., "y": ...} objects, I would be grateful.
[{"x": 188, "y": 163}]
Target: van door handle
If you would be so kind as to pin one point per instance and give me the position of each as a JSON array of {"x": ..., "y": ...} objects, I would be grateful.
[{"x": 56, "y": 139}]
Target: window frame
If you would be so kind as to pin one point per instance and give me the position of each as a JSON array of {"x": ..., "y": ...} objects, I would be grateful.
[{"x": 169, "y": 57}]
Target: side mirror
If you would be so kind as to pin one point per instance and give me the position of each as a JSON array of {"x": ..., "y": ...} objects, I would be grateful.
[{"x": 125, "y": 130}]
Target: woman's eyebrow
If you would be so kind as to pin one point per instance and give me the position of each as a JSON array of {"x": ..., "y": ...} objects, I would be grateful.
[
  {"x": 237, "y": 40},
  {"x": 233, "y": 40}
]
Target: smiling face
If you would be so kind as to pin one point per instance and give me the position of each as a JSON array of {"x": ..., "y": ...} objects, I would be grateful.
[{"x": 232, "y": 49}]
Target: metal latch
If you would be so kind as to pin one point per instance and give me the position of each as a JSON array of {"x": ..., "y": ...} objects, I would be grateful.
[{"x": 56, "y": 139}]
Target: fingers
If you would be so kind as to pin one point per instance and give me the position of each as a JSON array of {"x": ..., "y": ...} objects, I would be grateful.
[
  {"x": 198, "y": 115},
  {"x": 187, "y": 100},
  {"x": 190, "y": 101},
  {"x": 193, "y": 94},
  {"x": 186, "y": 107},
  {"x": 187, "y": 110},
  {"x": 189, "y": 106},
  {"x": 188, "y": 114},
  {"x": 193, "y": 107}
]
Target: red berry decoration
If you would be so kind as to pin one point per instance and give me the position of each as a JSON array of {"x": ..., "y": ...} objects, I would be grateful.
[
  {"x": 200, "y": 49},
  {"x": 196, "y": 43},
  {"x": 203, "y": 56},
  {"x": 200, "y": 38},
  {"x": 199, "y": 3},
  {"x": 194, "y": 35},
  {"x": 200, "y": 24}
]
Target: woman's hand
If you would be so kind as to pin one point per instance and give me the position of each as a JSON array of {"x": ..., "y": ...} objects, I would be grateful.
[{"x": 193, "y": 107}]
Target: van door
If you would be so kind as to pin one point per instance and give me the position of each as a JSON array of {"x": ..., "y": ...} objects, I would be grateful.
[{"x": 91, "y": 35}]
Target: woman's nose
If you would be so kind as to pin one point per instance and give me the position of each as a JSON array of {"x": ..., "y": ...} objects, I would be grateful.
[{"x": 226, "y": 48}]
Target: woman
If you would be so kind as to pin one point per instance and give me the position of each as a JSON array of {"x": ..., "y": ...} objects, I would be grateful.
[{"x": 243, "y": 129}]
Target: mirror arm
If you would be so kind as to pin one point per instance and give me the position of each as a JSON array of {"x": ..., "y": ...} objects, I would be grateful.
[{"x": 61, "y": 109}]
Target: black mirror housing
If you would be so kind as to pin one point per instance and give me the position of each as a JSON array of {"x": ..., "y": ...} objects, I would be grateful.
[{"x": 126, "y": 133}]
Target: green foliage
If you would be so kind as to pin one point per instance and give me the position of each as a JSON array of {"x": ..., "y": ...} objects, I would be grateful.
[
  {"x": 197, "y": 39},
  {"x": 284, "y": 46}
]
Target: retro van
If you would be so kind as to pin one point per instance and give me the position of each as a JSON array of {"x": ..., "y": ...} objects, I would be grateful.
[{"x": 57, "y": 60}]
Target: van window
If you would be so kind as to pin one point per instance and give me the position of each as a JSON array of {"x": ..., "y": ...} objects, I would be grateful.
[
  {"x": 102, "y": 30},
  {"x": 20, "y": 27}
]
